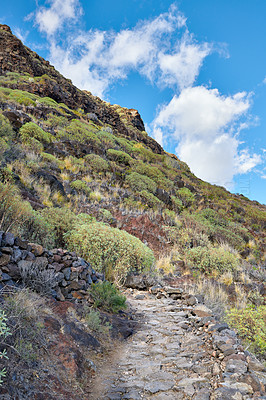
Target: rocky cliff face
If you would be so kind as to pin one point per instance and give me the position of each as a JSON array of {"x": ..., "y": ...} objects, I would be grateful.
[{"x": 16, "y": 57}]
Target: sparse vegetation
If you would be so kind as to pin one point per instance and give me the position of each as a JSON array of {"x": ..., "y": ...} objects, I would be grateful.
[{"x": 106, "y": 296}]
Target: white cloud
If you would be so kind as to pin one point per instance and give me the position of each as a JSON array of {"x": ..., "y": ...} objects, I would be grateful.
[
  {"x": 183, "y": 67},
  {"x": 160, "y": 49},
  {"x": 205, "y": 125},
  {"x": 21, "y": 35},
  {"x": 51, "y": 19}
]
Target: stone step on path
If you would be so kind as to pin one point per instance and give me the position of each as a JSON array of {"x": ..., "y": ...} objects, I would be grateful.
[{"x": 178, "y": 353}]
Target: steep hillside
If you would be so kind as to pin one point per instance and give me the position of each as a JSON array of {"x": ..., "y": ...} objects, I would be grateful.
[{"x": 79, "y": 173}]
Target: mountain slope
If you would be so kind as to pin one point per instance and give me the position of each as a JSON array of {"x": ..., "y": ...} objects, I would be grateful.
[{"x": 64, "y": 148}]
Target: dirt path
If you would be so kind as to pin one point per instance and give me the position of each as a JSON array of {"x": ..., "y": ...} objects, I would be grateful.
[{"x": 179, "y": 352}]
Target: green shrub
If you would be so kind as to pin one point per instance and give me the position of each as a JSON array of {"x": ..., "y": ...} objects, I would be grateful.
[
  {"x": 6, "y": 134},
  {"x": 94, "y": 321},
  {"x": 106, "y": 296},
  {"x": 185, "y": 195},
  {"x": 119, "y": 156},
  {"x": 150, "y": 200},
  {"x": 31, "y": 131},
  {"x": 112, "y": 251},
  {"x": 80, "y": 186},
  {"x": 250, "y": 324},
  {"x": 80, "y": 132},
  {"x": 212, "y": 260},
  {"x": 139, "y": 182},
  {"x": 96, "y": 163},
  {"x": 56, "y": 122},
  {"x": 18, "y": 216},
  {"x": 177, "y": 204},
  {"x": 60, "y": 221},
  {"x": 22, "y": 97}
]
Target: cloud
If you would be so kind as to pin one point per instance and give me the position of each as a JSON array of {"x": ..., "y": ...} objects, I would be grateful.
[
  {"x": 205, "y": 125},
  {"x": 161, "y": 49},
  {"x": 21, "y": 35},
  {"x": 50, "y": 20}
]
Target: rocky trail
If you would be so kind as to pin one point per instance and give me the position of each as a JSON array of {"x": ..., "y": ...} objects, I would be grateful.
[{"x": 179, "y": 352}]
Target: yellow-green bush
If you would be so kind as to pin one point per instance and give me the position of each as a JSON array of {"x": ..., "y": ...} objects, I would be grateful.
[
  {"x": 80, "y": 186},
  {"x": 112, "y": 251},
  {"x": 30, "y": 131},
  {"x": 185, "y": 195},
  {"x": 139, "y": 182},
  {"x": 119, "y": 156},
  {"x": 6, "y": 134},
  {"x": 150, "y": 200},
  {"x": 106, "y": 296},
  {"x": 212, "y": 260},
  {"x": 96, "y": 163},
  {"x": 250, "y": 324}
]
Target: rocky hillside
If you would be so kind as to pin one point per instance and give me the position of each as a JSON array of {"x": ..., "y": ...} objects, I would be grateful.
[{"x": 80, "y": 174}]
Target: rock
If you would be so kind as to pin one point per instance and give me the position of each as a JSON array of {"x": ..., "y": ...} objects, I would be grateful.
[
  {"x": 14, "y": 271},
  {"x": 40, "y": 263},
  {"x": 74, "y": 285},
  {"x": 5, "y": 277},
  {"x": 254, "y": 364},
  {"x": 36, "y": 249},
  {"x": 17, "y": 255},
  {"x": 4, "y": 260},
  {"x": 155, "y": 289},
  {"x": 173, "y": 290},
  {"x": 241, "y": 387},
  {"x": 223, "y": 393},
  {"x": 191, "y": 301},
  {"x": 135, "y": 282},
  {"x": 202, "y": 311},
  {"x": 140, "y": 296},
  {"x": 67, "y": 273},
  {"x": 22, "y": 244},
  {"x": 227, "y": 349},
  {"x": 8, "y": 239},
  {"x": 219, "y": 327},
  {"x": 236, "y": 366},
  {"x": 1, "y": 237},
  {"x": 80, "y": 335},
  {"x": 7, "y": 250}
]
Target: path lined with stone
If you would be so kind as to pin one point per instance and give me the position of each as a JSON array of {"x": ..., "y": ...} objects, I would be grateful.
[{"x": 180, "y": 352}]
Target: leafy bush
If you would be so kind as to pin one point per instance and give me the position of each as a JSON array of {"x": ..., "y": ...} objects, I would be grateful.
[
  {"x": 185, "y": 195},
  {"x": 80, "y": 186},
  {"x": 149, "y": 199},
  {"x": 6, "y": 134},
  {"x": 17, "y": 215},
  {"x": 177, "y": 204},
  {"x": 250, "y": 324},
  {"x": 212, "y": 260},
  {"x": 106, "y": 296},
  {"x": 81, "y": 132},
  {"x": 30, "y": 131},
  {"x": 119, "y": 156},
  {"x": 94, "y": 321},
  {"x": 96, "y": 163},
  {"x": 60, "y": 221},
  {"x": 112, "y": 251},
  {"x": 139, "y": 182}
]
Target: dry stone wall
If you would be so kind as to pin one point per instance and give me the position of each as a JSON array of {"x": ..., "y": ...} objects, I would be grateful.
[{"x": 59, "y": 272}]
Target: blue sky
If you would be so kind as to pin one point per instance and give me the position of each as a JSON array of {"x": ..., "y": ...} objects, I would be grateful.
[{"x": 195, "y": 70}]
